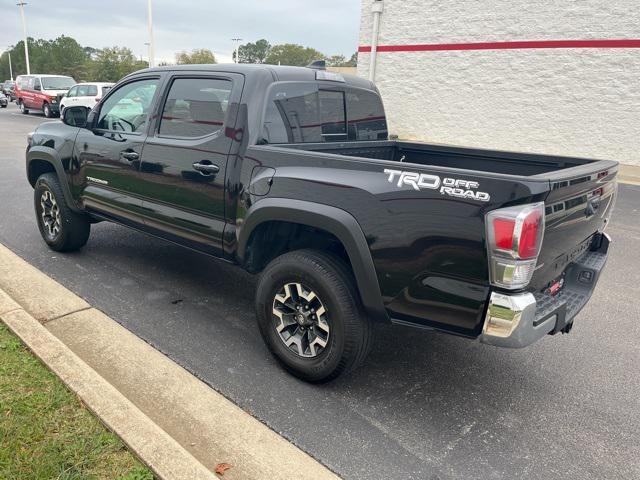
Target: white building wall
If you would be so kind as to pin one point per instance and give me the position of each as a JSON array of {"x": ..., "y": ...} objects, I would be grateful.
[{"x": 570, "y": 101}]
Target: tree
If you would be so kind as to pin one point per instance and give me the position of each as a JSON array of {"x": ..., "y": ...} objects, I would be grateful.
[
  {"x": 198, "y": 56},
  {"x": 336, "y": 61},
  {"x": 113, "y": 63},
  {"x": 291, "y": 54},
  {"x": 341, "y": 61},
  {"x": 254, "y": 52}
]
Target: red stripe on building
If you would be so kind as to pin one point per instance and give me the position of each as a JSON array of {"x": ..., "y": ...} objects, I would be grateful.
[{"x": 519, "y": 45}]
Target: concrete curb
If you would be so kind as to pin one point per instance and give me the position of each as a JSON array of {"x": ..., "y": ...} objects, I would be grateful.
[
  {"x": 629, "y": 174},
  {"x": 149, "y": 442},
  {"x": 175, "y": 423}
]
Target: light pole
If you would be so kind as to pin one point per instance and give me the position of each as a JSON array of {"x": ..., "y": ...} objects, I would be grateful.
[
  {"x": 148, "y": 52},
  {"x": 10, "y": 67},
  {"x": 24, "y": 28},
  {"x": 150, "y": 20},
  {"x": 237, "y": 49}
]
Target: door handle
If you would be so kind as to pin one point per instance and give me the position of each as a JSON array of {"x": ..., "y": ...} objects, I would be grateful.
[
  {"x": 130, "y": 156},
  {"x": 206, "y": 168}
]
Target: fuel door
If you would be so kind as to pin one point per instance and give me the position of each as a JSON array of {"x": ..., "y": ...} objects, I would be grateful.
[{"x": 261, "y": 180}]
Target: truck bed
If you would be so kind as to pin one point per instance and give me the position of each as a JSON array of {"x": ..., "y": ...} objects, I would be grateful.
[{"x": 492, "y": 161}]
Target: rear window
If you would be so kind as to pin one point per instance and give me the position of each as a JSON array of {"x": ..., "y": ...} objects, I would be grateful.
[
  {"x": 23, "y": 82},
  {"x": 309, "y": 113}
]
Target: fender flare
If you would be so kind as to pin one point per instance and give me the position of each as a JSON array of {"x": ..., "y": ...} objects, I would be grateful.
[
  {"x": 49, "y": 155},
  {"x": 335, "y": 221}
]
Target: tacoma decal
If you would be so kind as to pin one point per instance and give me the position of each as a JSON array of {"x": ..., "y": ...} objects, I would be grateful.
[
  {"x": 97, "y": 180},
  {"x": 447, "y": 186}
]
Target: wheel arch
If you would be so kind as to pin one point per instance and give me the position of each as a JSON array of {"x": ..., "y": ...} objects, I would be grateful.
[
  {"x": 336, "y": 222},
  {"x": 41, "y": 160}
]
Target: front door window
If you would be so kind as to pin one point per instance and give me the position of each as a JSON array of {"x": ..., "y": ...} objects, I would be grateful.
[{"x": 127, "y": 109}]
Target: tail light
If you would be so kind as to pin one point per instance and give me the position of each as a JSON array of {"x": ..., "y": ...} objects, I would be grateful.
[{"x": 514, "y": 239}]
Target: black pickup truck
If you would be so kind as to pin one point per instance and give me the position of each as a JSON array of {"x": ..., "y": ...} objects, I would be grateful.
[{"x": 289, "y": 173}]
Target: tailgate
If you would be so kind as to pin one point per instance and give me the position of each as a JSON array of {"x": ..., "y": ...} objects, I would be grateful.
[{"x": 578, "y": 206}]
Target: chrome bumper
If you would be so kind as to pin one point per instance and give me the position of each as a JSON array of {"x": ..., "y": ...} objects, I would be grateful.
[
  {"x": 510, "y": 321},
  {"x": 518, "y": 320}
]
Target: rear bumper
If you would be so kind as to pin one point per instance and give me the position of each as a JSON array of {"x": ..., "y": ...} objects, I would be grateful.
[{"x": 518, "y": 320}]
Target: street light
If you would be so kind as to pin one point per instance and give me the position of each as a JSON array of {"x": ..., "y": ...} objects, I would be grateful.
[
  {"x": 148, "y": 52},
  {"x": 237, "y": 49},
  {"x": 24, "y": 28},
  {"x": 150, "y": 20},
  {"x": 10, "y": 67}
]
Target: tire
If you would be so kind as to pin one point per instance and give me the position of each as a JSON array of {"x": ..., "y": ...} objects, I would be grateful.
[
  {"x": 46, "y": 109},
  {"x": 344, "y": 330},
  {"x": 62, "y": 229},
  {"x": 23, "y": 109}
]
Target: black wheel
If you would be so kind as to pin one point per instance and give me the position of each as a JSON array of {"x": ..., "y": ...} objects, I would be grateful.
[
  {"x": 61, "y": 228},
  {"x": 23, "y": 109},
  {"x": 46, "y": 109},
  {"x": 310, "y": 316}
]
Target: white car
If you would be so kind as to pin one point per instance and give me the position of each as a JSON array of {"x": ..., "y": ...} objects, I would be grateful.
[{"x": 84, "y": 95}]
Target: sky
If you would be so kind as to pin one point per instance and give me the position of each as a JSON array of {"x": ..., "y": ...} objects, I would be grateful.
[{"x": 330, "y": 26}]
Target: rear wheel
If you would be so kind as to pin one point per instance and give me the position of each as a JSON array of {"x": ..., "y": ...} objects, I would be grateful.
[
  {"x": 23, "y": 109},
  {"x": 61, "y": 228},
  {"x": 310, "y": 316}
]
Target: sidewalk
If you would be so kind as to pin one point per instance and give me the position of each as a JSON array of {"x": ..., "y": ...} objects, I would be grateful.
[
  {"x": 629, "y": 174},
  {"x": 176, "y": 424}
]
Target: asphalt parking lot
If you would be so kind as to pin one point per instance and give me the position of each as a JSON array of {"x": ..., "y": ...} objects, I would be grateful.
[{"x": 424, "y": 406}]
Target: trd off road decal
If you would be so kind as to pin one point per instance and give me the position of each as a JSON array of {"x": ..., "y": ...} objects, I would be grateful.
[{"x": 447, "y": 186}]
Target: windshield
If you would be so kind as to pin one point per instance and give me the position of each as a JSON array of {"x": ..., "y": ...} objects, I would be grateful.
[{"x": 57, "y": 83}]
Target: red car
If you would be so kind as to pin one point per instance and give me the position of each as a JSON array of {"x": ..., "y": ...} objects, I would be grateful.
[{"x": 42, "y": 92}]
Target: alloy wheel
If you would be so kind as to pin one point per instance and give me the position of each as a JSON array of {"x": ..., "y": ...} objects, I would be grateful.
[
  {"x": 50, "y": 214},
  {"x": 301, "y": 320}
]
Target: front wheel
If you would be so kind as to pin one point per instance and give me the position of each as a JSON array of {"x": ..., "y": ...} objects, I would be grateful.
[
  {"x": 310, "y": 317},
  {"x": 23, "y": 109},
  {"x": 47, "y": 111},
  {"x": 61, "y": 228}
]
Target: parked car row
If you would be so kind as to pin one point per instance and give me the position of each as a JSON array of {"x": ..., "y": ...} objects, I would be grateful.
[
  {"x": 51, "y": 94},
  {"x": 7, "y": 89}
]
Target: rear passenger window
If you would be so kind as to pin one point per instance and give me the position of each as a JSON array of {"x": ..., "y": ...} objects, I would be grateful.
[
  {"x": 305, "y": 113},
  {"x": 195, "y": 107},
  {"x": 92, "y": 90}
]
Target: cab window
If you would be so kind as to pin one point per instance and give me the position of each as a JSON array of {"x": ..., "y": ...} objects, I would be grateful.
[
  {"x": 311, "y": 113},
  {"x": 127, "y": 109},
  {"x": 73, "y": 92},
  {"x": 195, "y": 107}
]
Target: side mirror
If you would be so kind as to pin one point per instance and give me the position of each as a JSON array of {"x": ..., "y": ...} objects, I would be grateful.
[
  {"x": 75, "y": 117},
  {"x": 37, "y": 87}
]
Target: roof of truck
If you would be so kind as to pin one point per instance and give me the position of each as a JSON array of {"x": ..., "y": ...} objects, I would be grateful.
[{"x": 280, "y": 73}]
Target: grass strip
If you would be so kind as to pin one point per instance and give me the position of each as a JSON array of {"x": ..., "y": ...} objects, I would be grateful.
[{"x": 46, "y": 432}]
